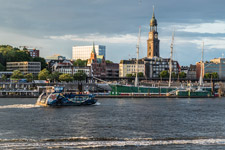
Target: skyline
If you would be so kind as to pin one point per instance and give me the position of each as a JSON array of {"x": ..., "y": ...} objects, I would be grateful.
[{"x": 55, "y": 27}]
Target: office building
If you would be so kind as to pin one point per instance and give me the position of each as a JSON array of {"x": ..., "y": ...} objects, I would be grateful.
[
  {"x": 84, "y": 52},
  {"x": 154, "y": 66},
  {"x": 112, "y": 70},
  {"x": 216, "y": 65},
  {"x": 55, "y": 57},
  {"x": 25, "y": 67},
  {"x": 34, "y": 52},
  {"x": 129, "y": 67}
]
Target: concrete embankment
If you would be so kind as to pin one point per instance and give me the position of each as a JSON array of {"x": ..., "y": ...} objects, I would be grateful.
[{"x": 149, "y": 96}]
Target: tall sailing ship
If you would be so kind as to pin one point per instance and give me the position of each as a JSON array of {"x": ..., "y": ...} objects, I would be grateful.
[{"x": 153, "y": 51}]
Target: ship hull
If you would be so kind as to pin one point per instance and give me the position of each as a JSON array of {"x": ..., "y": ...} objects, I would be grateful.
[
  {"x": 128, "y": 90},
  {"x": 57, "y": 99}
]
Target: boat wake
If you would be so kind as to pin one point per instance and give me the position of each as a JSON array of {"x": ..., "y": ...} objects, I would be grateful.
[
  {"x": 85, "y": 142},
  {"x": 97, "y": 104},
  {"x": 24, "y": 106}
]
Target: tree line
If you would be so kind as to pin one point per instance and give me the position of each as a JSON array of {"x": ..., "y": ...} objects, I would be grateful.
[
  {"x": 13, "y": 54},
  {"x": 46, "y": 75}
]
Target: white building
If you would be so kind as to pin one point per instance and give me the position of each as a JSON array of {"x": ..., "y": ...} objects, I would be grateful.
[
  {"x": 129, "y": 67},
  {"x": 66, "y": 67},
  {"x": 84, "y": 52}
]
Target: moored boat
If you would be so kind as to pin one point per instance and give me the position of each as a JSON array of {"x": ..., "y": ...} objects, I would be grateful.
[{"x": 57, "y": 97}]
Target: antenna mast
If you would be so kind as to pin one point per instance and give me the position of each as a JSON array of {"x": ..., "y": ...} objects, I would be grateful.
[
  {"x": 201, "y": 78},
  {"x": 138, "y": 43},
  {"x": 171, "y": 56}
]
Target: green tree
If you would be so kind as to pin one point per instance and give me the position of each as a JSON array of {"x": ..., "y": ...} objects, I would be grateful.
[
  {"x": 215, "y": 75},
  {"x": 29, "y": 77},
  {"x": 2, "y": 60},
  {"x": 66, "y": 77},
  {"x": 108, "y": 61},
  {"x": 80, "y": 75},
  {"x": 4, "y": 77},
  {"x": 54, "y": 76},
  {"x": 43, "y": 74},
  {"x": 174, "y": 75},
  {"x": 10, "y": 54},
  {"x": 182, "y": 75},
  {"x": 80, "y": 63},
  {"x": 207, "y": 75},
  {"x": 41, "y": 60},
  {"x": 140, "y": 74},
  {"x": 17, "y": 75},
  {"x": 164, "y": 74},
  {"x": 2, "y": 68},
  {"x": 129, "y": 75}
]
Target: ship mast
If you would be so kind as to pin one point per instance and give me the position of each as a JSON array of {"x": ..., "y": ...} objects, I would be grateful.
[
  {"x": 171, "y": 56},
  {"x": 138, "y": 43},
  {"x": 201, "y": 78}
]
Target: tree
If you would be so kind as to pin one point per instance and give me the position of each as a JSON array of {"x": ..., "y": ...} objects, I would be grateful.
[
  {"x": 207, "y": 75},
  {"x": 129, "y": 75},
  {"x": 10, "y": 54},
  {"x": 140, "y": 74},
  {"x": 213, "y": 75},
  {"x": 17, "y": 75},
  {"x": 174, "y": 75},
  {"x": 29, "y": 77},
  {"x": 41, "y": 60},
  {"x": 164, "y": 74},
  {"x": 80, "y": 63},
  {"x": 108, "y": 61},
  {"x": 4, "y": 77},
  {"x": 43, "y": 74},
  {"x": 80, "y": 75},
  {"x": 54, "y": 76},
  {"x": 66, "y": 77},
  {"x": 2, "y": 68},
  {"x": 182, "y": 75}
]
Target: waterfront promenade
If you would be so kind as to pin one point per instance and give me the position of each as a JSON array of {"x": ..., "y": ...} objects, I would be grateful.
[{"x": 31, "y": 89}]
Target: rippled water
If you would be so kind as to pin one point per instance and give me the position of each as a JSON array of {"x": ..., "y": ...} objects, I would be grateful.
[{"x": 114, "y": 124}]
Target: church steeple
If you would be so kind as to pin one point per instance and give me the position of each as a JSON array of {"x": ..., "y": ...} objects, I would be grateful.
[
  {"x": 93, "y": 49},
  {"x": 153, "y": 41},
  {"x": 153, "y": 22},
  {"x": 93, "y": 58}
]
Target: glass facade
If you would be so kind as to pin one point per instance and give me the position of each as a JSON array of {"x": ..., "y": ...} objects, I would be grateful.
[
  {"x": 213, "y": 67},
  {"x": 84, "y": 52}
]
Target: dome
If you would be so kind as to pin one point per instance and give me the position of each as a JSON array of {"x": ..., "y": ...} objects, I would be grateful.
[{"x": 153, "y": 21}]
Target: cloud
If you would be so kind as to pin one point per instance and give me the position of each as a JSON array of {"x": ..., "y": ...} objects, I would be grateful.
[
  {"x": 216, "y": 27},
  {"x": 113, "y": 39}
]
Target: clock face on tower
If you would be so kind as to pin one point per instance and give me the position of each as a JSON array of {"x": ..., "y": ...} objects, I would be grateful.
[
  {"x": 150, "y": 36},
  {"x": 156, "y": 36}
]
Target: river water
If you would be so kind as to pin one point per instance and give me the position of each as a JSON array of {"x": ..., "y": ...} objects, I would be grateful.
[{"x": 113, "y": 124}]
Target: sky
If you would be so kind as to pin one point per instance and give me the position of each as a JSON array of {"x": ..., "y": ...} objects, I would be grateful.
[{"x": 55, "y": 26}]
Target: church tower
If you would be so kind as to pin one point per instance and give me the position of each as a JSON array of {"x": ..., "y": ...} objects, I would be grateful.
[{"x": 153, "y": 41}]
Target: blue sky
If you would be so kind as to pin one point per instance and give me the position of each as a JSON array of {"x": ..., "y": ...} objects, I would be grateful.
[{"x": 54, "y": 26}]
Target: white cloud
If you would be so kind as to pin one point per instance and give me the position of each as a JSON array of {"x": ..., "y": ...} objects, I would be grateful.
[
  {"x": 215, "y": 27},
  {"x": 210, "y": 43},
  {"x": 118, "y": 38}
]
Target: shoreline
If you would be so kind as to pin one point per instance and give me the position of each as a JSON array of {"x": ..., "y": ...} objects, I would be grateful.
[{"x": 122, "y": 96}]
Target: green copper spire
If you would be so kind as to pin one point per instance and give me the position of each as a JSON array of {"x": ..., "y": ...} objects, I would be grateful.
[
  {"x": 93, "y": 50},
  {"x": 153, "y": 15},
  {"x": 153, "y": 21}
]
